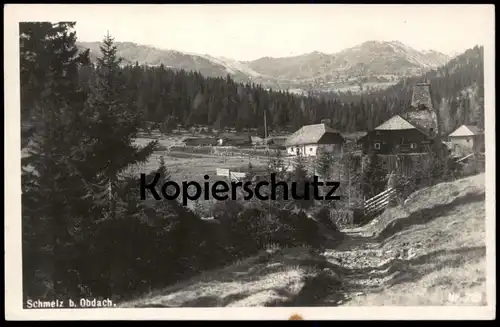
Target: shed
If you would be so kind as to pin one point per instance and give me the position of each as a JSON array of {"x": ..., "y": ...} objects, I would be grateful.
[{"x": 467, "y": 139}]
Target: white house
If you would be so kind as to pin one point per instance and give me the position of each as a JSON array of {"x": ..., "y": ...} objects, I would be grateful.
[
  {"x": 467, "y": 139},
  {"x": 311, "y": 140}
]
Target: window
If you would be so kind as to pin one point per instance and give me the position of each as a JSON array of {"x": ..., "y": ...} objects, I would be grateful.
[
  {"x": 311, "y": 149},
  {"x": 413, "y": 145},
  {"x": 376, "y": 145}
]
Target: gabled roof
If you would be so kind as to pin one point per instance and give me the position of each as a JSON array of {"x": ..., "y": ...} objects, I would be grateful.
[
  {"x": 466, "y": 130},
  {"x": 395, "y": 123},
  {"x": 309, "y": 134}
]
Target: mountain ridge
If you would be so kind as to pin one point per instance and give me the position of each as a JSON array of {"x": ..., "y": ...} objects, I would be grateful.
[{"x": 372, "y": 63}]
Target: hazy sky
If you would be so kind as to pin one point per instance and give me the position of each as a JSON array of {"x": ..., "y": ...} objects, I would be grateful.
[{"x": 246, "y": 32}]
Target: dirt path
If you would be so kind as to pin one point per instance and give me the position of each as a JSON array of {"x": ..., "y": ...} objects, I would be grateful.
[{"x": 431, "y": 254}]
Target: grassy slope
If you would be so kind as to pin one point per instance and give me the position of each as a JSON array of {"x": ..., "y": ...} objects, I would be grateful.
[{"x": 429, "y": 252}]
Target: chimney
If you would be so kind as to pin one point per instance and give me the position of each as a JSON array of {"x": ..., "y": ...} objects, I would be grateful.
[
  {"x": 421, "y": 112},
  {"x": 421, "y": 98}
]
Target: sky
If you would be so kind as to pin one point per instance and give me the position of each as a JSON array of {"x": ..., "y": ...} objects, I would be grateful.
[{"x": 248, "y": 32}]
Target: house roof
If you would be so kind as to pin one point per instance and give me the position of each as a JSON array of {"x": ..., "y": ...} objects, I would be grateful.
[
  {"x": 466, "y": 130},
  {"x": 309, "y": 134},
  {"x": 395, "y": 123}
]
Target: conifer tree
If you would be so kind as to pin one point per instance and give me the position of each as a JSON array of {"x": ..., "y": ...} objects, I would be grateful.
[
  {"x": 114, "y": 123},
  {"x": 51, "y": 196}
]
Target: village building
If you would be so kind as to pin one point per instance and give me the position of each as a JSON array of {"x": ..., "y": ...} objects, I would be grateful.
[
  {"x": 200, "y": 141},
  {"x": 312, "y": 140},
  {"x": 396, "y": 136},
  {"x": 256, "y": 140},
  {"x": 466, "y": 139},
  {"x": 229, "y": 139},
  {"x": 412, "y": 132},
  {"x": 351, "y": 144},
  {"x": 404, "y": 141}
]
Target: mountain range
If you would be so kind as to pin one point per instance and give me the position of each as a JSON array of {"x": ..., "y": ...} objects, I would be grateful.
[{"x": 370, "y": 65}]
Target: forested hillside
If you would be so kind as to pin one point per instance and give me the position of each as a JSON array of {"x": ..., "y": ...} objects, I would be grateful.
[
  {"x": 457, "y": 91},
  {"x": 188, "y": 98}
]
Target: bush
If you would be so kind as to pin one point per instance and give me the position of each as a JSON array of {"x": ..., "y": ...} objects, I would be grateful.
[
  {"x": 154, "y": 245},
  {"x": 324, "y": 216},
  {"x": 472, "y": 167}
]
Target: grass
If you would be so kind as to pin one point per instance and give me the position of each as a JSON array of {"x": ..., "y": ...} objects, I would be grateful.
[
  {"x": 183, "y": 164},
  {"x": 431, "y": 252},
  {"x": 192, "y": 166},
  {"x": 274, "y": 277}
]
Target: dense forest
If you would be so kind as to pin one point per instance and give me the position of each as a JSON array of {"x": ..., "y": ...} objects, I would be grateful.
[{"x": 187, "y": 98}]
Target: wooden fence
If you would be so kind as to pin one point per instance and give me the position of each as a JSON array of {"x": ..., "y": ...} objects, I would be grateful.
[{"x": 379, "y": 202}]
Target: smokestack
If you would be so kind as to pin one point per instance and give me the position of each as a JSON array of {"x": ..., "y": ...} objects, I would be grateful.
[
  {"x": 421, "y": 112},
  {"x": 421, "y": 98}
]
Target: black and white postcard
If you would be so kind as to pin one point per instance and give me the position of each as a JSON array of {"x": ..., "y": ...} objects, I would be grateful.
[{"x": 248, "y": 162}]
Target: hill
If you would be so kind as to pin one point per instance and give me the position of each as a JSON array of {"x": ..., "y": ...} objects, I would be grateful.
[
  {"x": 189, "y": 98},
  {"x": 431, "y": 251},
  {"x": 370, "y": 62},
  {"x": 151, "y": 56},
  {"x": 457, "y": 93},
  {"x": 377, "y": 63}
]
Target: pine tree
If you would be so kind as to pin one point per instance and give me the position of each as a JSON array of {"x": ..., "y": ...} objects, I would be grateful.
[
  {"x": 110, "y": 136},
  {"x": 51, "y": 196}
]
